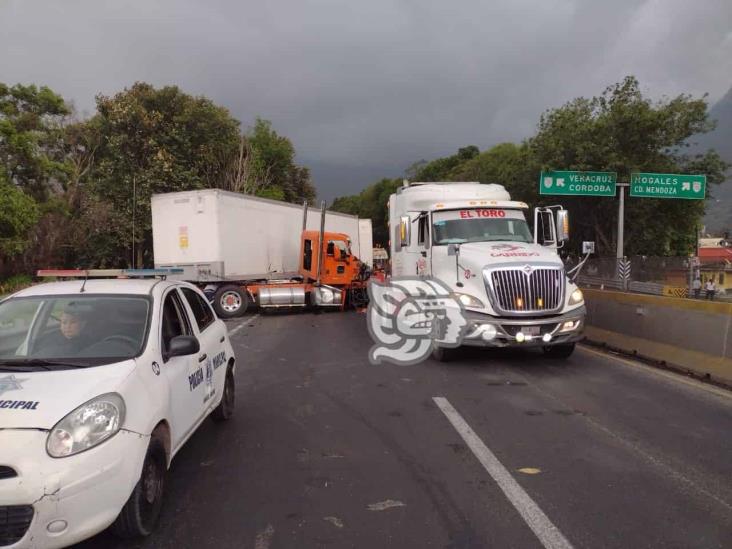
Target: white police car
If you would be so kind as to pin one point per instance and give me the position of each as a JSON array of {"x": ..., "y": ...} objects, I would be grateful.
[{"x": 101, "y": 383}]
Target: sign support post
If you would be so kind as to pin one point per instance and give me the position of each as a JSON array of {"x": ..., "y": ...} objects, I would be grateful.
[{"x": 621, "y": 221}]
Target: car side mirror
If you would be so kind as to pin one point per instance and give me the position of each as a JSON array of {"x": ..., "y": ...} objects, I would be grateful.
[{"x": 183, "y": 345}]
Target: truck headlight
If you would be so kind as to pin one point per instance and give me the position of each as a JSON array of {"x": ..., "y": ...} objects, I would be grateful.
[
  {"x": 577, "y": 297},
  {"x": 89, "y": 425},
  {"x": 469, "y": 301}
]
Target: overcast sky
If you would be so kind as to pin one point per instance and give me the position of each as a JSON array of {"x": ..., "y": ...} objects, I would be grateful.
[{"x": 366, "y": 88}]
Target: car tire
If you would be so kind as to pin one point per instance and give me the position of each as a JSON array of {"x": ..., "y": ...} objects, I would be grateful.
[
  {"x": 225, "y": 410},
  {"x": 230, "y": 301},
  {"x": 444, "y": 354},
  {"x": 140, "y": 514},
  {"x": 559, "y": 351}
]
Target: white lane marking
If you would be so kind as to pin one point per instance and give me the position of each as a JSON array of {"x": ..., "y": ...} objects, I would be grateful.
[
  {"x": 673, "y": 376},
  {"x": 243, "y": 324},
  {"x": 548, "y": 534},
  {"x": 264, "y": 538}
]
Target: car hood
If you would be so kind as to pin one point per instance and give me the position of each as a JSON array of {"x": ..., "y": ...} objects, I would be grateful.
[{"x": 38, "y": 400}]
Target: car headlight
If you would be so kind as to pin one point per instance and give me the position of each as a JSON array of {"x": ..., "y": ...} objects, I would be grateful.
[
  {"x": 89, "y": 425},
  {"x": 469, "y": 301},
  {"x": 577, "y": 297}
]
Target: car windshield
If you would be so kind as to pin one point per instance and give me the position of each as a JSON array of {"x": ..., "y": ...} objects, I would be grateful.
[
  {"x": 479, "y": 225},
  {"x": 72, "y": 330}
]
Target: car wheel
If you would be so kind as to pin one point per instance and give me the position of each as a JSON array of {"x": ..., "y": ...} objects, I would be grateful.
[
  {"x": 230, "y": 301},
  {"x": 140, "y": 514},
  {"x": 225, "y": 409},
  {"x": 559, "y": 351}
]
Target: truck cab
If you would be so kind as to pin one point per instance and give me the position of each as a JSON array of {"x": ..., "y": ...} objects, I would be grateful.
[
  {"x": 476, "y": 240},
  {"x": 339, "y": 266}
]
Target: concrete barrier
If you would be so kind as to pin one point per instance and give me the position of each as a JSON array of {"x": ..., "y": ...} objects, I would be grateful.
[{"x": 690, "y": 335}]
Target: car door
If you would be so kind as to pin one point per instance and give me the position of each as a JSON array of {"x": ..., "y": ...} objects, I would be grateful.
[
  {"x": 185, "y": 374},
  {"x": 212, "y": 337}
]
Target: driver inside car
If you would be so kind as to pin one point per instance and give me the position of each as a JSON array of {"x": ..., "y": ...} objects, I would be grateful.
[{"x": 73, "y": 333}]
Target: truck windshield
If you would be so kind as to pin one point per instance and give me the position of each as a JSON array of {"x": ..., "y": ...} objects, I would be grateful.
[
  {"x": 71, "y": 330},
  {"x": 479, "y": 225}
]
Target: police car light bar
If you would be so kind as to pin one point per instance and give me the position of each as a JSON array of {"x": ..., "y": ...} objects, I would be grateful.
[
  {"x": 106, "y": 273},
  {"x": 151, "y": 272}
]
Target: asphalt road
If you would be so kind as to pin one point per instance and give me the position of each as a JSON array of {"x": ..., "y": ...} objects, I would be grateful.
[{"x": 327, "y": 450}]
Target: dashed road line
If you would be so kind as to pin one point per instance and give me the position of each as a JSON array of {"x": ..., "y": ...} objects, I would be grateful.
[{"x": 548, "y": 534}]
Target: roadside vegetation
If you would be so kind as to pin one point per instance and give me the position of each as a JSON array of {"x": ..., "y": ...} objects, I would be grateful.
[{"x": 71, "y": 187}]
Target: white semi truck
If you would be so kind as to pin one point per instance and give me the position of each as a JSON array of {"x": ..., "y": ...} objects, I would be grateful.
[
  {"x": 244, "y": 249},
  {"x": 475, "y": 239}
]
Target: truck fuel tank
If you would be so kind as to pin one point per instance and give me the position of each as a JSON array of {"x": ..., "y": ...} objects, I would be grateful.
[{"x": 286, "y": 296}]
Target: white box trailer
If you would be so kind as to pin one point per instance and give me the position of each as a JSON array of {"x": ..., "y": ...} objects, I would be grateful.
[
  {"x": 216, "y": 234},
  {"x": 227, "y": 239}
]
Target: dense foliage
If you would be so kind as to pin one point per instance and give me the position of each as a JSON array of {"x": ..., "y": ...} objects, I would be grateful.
[{"x": 76, "y": 193}]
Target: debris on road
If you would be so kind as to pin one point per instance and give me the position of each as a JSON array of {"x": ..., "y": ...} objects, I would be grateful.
[
  {"x": 384, "y": 505},
  {"x": 335, "y": 521}
]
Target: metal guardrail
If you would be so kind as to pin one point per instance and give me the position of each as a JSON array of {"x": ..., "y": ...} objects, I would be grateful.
[
  {"x": 652, "y": 288},
  {"x": 600, "y": 282},
  {"x": 646, "y": 288}
]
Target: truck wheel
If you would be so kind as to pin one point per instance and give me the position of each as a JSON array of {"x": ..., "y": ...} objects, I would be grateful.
[
  {"x": 559, "y": 351},
  {"x": 140, "y": 514},
  {"x": 444, "y": 354},
  {"x": 230, "y": 301},
  {"x": 225, "y": 409}
]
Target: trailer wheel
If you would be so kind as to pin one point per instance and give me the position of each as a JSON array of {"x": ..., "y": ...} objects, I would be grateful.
[{"x": 230, "y": 301}]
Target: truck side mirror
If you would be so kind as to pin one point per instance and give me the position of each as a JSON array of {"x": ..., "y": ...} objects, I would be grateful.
[
  {"x": 452, "y": 249},
  {"x": 562, "y": 225}
]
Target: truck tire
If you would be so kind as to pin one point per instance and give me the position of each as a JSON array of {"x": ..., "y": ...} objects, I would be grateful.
[
  {"x": 559, "y": 351},
  {"x": 140, "y": 514},
  {"x": 230, "y": 301}
]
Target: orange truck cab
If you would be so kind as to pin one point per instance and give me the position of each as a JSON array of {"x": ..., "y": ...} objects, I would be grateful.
[{"x": 339, "y": 266}]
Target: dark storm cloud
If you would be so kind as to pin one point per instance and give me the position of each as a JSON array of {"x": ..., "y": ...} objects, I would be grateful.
[{"x": 366, "y": 88}]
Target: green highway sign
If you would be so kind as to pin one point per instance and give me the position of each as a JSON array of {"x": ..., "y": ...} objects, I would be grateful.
[
  {"x": 668, "y": 185},
  {"x": 578, "y": 183}
]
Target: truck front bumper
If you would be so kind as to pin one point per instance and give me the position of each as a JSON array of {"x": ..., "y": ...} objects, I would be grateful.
[{"x": 490, "y": 331}]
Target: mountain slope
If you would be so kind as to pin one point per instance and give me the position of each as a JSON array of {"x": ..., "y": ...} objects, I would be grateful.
[{"x": 719, "y": 207}]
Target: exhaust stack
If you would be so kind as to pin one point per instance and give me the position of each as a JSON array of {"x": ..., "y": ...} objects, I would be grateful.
[{"x": 320, "y": 241}]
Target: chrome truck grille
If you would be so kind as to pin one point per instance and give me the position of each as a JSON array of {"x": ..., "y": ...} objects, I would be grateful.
[{"x": 526, "y": 290}]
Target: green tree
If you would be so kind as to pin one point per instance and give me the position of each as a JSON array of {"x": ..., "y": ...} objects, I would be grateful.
[
  {"x": 371, "y": 203},
  {"x": 273, "y": 172},
  {"x": 507, "y": 164},
  {"x": 441, "y": 168},
  {"x": 155, "y": 141},
  {"x": 31, "y": 121},
  {"x": 624, "y": 132},
  {"x": 18, "y": 214}
]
